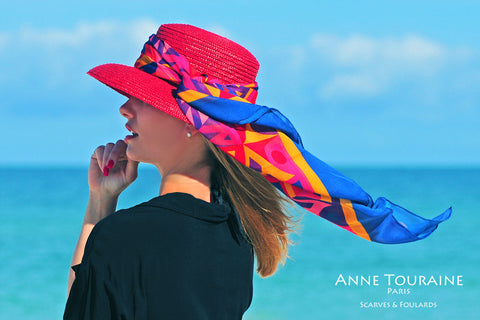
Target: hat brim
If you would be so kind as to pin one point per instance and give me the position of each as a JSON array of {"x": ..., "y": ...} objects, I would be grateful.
[{"x": 132, "y": 82}]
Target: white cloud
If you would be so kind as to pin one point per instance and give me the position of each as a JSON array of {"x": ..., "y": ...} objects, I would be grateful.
[
  {"x": 85, "y": 34},
  {"x": 364, "y": 65},
  {"x": 89, "y": 40},
  {"x": 352, "y": 84},
  {"x": 360, "y": 50},
  {"x": 76, "y": 37}
]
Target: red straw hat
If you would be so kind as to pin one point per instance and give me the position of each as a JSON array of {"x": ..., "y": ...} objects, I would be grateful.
[{"x": 207, "y": 53}]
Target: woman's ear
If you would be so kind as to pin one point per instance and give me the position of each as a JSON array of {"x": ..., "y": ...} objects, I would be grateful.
[{"x": 190, "y": 130}]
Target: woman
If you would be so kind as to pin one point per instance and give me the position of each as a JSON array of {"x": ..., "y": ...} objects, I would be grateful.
[{"x": 186, "y": 254}]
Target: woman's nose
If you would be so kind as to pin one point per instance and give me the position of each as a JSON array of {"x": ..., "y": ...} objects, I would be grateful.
[{"x": 126, "y": 110}]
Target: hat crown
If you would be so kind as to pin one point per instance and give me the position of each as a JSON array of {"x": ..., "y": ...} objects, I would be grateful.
[{"x": 211, "y": 54}]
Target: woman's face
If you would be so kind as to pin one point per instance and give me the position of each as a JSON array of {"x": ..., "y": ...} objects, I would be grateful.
[{"x": 157, "y": 138}]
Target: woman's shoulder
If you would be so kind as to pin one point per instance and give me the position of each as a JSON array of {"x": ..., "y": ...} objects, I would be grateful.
[
  {"x": 182, "y": 204},
  {"x": 164, "y": 210}
]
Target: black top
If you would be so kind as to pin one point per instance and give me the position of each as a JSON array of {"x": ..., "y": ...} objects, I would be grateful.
[{"x": 173, "y": 257}]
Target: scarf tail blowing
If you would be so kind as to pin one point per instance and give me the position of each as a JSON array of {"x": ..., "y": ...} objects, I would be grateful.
[{"x": 305, "y": 179}]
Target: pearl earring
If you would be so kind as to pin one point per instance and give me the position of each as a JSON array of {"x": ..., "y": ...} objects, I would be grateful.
[{"x": 189, "y": 135}]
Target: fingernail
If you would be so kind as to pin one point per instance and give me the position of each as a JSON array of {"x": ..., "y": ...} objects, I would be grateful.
[
  {"x": 110, "y": 164},
  {"x": 106, "y": 171}
]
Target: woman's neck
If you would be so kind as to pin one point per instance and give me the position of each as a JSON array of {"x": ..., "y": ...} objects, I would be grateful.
[{"x": 197, "y": 184}]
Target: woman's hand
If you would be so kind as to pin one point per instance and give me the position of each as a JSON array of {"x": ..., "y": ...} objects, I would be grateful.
[{"x": 110, "y": 170}]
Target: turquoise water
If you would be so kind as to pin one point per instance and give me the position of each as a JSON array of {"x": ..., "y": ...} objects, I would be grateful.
[{"x": 41, "y": 212}]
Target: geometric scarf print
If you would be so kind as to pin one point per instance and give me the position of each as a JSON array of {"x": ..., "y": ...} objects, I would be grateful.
[{"x": 263, "y": 139}]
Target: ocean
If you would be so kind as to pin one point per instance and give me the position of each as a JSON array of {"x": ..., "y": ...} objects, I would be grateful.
[{"x": 330, "y": 274}]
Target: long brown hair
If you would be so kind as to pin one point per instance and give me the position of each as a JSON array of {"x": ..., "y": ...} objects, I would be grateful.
[{"x": 262, "y": 209}]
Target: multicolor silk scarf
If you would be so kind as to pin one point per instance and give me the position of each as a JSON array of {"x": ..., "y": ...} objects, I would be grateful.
[{"x": 263, "y": 139}]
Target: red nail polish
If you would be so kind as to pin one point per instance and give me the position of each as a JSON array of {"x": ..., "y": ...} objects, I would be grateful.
[
  {"x": 110, "y": 164},
  {"x": 106, "y": 171}
]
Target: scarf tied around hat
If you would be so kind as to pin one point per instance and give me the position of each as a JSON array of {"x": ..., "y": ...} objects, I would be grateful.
[{"x": 263, "y": 139}]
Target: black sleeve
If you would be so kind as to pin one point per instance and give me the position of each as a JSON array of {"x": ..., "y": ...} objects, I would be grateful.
[{"x": 92, "y": 295}]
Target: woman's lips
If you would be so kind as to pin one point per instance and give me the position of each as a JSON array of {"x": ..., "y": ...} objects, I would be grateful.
[
  {"x": 131, "y": 136},
  {"x": 128, "y": 138}
]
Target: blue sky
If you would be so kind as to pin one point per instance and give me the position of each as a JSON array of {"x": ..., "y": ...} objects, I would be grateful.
[{"x": 364, "y": 82}]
